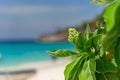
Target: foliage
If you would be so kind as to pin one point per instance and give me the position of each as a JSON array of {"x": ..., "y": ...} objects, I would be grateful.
[
  {"x": 102, "y": 2},
  {"x": 97, "y": 54}
]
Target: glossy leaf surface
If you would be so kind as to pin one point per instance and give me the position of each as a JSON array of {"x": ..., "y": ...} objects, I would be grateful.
[
  {"x": 112, "y": 19},
  {"x": 88, "y": 71},
  {"x": 62, "y": 53},
  {"x": 73, "y": 69}
]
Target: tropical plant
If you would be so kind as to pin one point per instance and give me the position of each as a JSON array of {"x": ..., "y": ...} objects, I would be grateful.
[{"x": 96, "y": 54}]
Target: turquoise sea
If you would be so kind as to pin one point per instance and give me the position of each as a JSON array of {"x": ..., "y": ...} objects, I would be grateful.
[{"x": 15, "y": 53}]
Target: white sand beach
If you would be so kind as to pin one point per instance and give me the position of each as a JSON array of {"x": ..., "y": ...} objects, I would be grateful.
[
  {"x": 48, "y": 70},
  {"x": 53, "y": 71}
]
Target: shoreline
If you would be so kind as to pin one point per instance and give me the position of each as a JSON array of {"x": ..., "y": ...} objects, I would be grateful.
[{"x": 33, "y": 65}]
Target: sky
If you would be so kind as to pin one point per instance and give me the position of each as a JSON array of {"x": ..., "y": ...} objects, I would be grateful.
[{"x": 29, "y": 19}]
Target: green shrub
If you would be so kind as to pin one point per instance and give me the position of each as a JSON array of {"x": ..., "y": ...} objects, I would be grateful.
[{"x": 97, "y": 54}]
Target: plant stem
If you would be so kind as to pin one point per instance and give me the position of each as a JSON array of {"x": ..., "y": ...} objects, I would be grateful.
[{"x": 105, "y": 77}]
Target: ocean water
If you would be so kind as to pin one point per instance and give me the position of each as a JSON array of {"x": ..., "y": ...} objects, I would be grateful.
[{"x": 16, "y": 53}]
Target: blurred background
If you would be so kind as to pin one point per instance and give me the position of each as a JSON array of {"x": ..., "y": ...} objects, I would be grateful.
[{"x": 29, "y": 28}]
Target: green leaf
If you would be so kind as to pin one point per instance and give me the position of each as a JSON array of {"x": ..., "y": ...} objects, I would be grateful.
[
  {"x": 88, "y": 71},
  {"x": 112, "y": 76},
  {"x": 87, "y": 29},
  {"x": 112, "y": 19},
  {"x": 103, "y": 66},
  {"x": 94, "y": 42},
  {"x": 62, "y": 53},
  {"x": 100, "y": 30},
  {"x": 80, "y": 42},
  {"x": 117, "y": 53},
  {"x": 109, "y": 40},
  {"x": 73, "y": 69},
  {"x": 87, "y": 32},
  {"x": 89, "y": 45},
  {"x": 102, "y": 2},
  {"x": 107, "y": 76},
  {"x": 112, "y": 16},
  {"x": 97, "y": 41}
]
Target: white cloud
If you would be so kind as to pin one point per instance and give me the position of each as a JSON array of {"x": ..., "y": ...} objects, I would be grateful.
[{"x": 28, "y": 10}]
